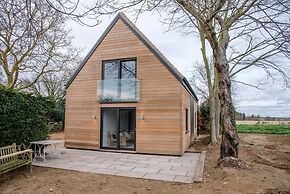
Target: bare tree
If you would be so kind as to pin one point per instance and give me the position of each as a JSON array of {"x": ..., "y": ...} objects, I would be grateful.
[
  {"x": 33, "y": 42},
  {"x": 253, "y": 50},
  {"x": 199, "y": 80},
  {"x": 212, "y": 85},
  {"x": 53, "y": 84},
  {"x": 215, "y": 22},
  {"x": 206, "y": 84},
  {"x": 218, "y": 22}
]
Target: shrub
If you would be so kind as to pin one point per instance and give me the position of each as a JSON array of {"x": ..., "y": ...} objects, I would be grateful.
[
  {"x": 57, "y": 113},
  {"x": 204, "y": 118},
  {"x": 23, "y": 117}
]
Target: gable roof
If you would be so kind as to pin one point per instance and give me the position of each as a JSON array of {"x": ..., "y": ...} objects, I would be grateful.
[{"x": 146, "y": 42}]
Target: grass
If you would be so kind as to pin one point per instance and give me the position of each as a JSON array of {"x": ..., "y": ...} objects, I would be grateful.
[{"x": 264, "y": 129}]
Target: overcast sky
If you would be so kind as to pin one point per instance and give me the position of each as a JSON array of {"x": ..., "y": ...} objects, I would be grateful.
[{"x": 183, "y": 51}]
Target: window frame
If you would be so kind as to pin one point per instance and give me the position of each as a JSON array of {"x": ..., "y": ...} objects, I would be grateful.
[
  {"x": 119, "y": 61},
  {"x": 186, "y": 121}
]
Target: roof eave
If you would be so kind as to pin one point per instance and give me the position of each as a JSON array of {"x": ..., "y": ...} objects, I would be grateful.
[{"x": 186, "y": 82}]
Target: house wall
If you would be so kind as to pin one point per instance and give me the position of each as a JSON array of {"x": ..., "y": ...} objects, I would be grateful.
[
  {"x": 160, "y": 131},
  {"x": 195, "y": 123},
  {"x": 186, "y": 137},
  {"x": 185, "y": 105}
]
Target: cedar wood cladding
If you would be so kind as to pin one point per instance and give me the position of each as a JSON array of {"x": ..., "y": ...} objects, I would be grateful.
[{"x": 165, "y": 94}]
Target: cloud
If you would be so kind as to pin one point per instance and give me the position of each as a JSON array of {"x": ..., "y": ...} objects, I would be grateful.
[
  {"x": 274, "y": 100},
  {"x": 277, "y": 110}
]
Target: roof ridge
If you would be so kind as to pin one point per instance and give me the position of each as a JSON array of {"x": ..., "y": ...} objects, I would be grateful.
[{"x": 145, "y": 41}]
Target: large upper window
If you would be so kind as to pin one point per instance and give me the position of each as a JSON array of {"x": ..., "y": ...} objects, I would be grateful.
[
  {"x": 119, "y": 69},
  {"x": 119, "y": 83}
]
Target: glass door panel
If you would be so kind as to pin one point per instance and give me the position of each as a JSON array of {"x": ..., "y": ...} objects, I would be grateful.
[
  {"x": 110, "y": 128},
  {"x": 127, "y": 129}
]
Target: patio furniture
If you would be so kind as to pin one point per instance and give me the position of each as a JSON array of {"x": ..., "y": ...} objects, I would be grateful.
[
  {"x": 46, "y": 146},
  {"x": 112, "y": 139},
  {"x": 124, "y": 138},
  {"x": 11, "y": 158}
]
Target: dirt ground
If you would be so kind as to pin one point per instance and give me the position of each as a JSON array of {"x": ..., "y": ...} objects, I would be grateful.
[{"x": 268, "y": 157}]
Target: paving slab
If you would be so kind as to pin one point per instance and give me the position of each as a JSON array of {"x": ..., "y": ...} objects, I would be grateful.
[
  {"x": 181, "y": 168},
  {"x": 170, "y": 163},
  {"x": 163, "y": 177},
  {"x": 198, "y": 176},
  {"x": 159, "y": 166},
  {"x": 184, "y": 179},
  {"x": 186, "y": 168},
  {"x": 131, "y": 174},
  {"x": 173, "y": 172},
  {"x": 191, "y": 173},
  {"x": 136, "y": 164},
  {"x": 96, "y": 165},
  {"x": 146, "y": 170},
  {"x": 123, "y": 168},
  {"x": 105, "y": 171}
]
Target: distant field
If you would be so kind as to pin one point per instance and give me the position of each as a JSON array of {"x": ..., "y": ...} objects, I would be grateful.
[
  {"x": 250, "y": 122},
  {"x": 264, "y": 128}
]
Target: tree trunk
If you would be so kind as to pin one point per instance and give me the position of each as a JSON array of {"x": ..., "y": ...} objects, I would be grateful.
[
  {"x": 217, "y": 104},
  {"x": 213, "y": 137},
  {"x": 10, "y": 80},
  {"x": 230, "y": 138},
  {"x": 217, "y": 115}
]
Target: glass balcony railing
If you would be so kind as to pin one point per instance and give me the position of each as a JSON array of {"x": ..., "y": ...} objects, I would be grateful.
[{"x": 118, "y": 90}]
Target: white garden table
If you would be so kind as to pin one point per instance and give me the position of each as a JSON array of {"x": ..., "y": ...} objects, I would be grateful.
[{"x": 46, "y": 146}]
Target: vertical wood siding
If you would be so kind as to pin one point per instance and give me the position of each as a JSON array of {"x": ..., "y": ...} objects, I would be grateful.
[{"x": 160, "y": 131}]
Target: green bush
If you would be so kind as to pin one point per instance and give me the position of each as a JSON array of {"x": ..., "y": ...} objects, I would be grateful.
[
  {"x": 204, "y": 118},
  {"x": 57, "y": 113},
  {"x": 23, "y": 117}
]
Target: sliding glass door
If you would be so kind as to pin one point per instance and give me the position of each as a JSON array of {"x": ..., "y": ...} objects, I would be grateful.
[
  {"x": 110, "y": 128},
  {"x": 118, "y": 128}
]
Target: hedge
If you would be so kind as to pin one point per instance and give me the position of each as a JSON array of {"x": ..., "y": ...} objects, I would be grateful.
[{"x": 23, "y": 117}]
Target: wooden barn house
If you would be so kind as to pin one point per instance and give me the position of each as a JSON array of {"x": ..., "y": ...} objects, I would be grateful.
[{"x": 126, "y": 96}]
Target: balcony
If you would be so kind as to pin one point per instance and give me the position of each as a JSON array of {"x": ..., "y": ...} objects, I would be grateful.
[{"x": 118, "y": 90}]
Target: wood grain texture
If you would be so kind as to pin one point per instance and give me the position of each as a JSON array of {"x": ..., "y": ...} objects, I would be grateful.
[
  {"x": 185, "y": 105},
  {"x": 161, "y": 98},
  {"x": 186, "y": 137}
]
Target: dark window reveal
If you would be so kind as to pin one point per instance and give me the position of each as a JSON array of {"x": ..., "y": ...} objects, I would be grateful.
[{"x": 186, "y": 121}]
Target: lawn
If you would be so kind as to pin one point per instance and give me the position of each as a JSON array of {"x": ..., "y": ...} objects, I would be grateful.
[{"x": 265, "y": 129}]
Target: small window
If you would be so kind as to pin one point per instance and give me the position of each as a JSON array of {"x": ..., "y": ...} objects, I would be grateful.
[
  {"x": 186, "y": 121},
  {"x": 195, "y": 120}
]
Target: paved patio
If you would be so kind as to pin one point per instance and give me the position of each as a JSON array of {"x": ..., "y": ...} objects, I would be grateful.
[{"x": 186, "y": 169}]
